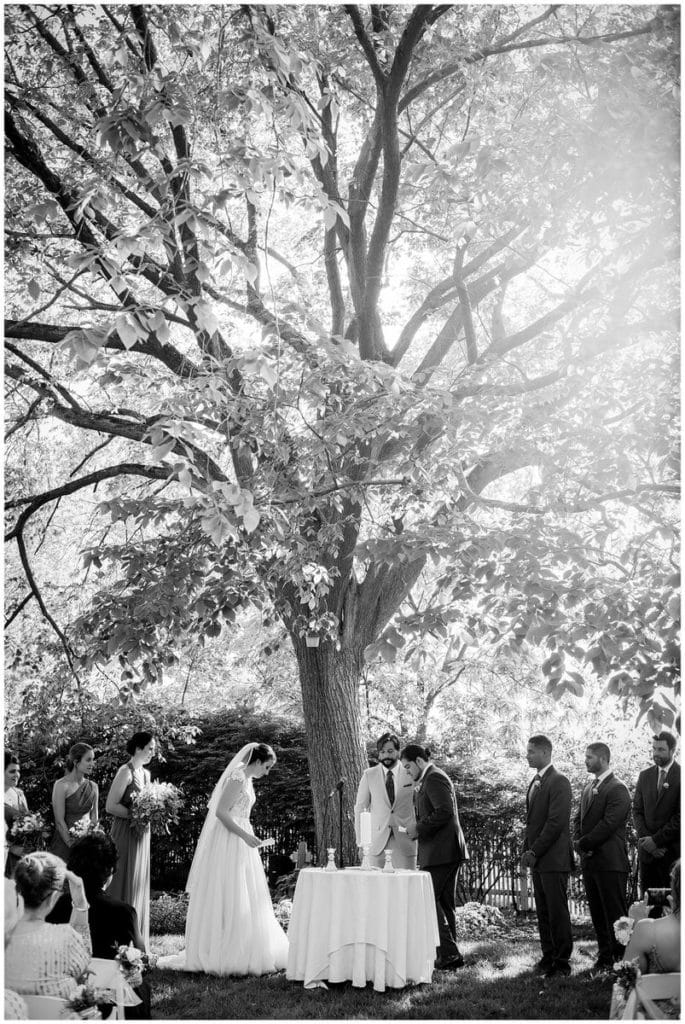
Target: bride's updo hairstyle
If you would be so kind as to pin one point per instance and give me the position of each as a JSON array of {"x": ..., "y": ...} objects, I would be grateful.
[
  {"x": 37, "y": 875},
  {"x": 76, "y": 754},
  {"x": 262, "y": 752},
  {"x": 138, "y": 741}
]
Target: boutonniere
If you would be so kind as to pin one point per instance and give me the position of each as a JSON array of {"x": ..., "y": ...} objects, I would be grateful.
[
  {"x": 537, "y": 784},
  {"x": 665, "y": 785},
  {"x": 417, "y": 789}
]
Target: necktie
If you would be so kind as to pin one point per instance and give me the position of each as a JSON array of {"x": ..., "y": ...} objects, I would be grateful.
[
  {"x": 660, "y": 781},
  {"x": 588, "y": 794},
  {"x": 535, "y": 785},
  {"x": 390, "y": 787}
]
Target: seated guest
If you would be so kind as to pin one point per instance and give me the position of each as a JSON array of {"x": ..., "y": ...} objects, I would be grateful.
[
  {"x": 656, "y": 942},
  {"x": 47, "y": 959},
  {"x": 113, "y": 922},
  {"x": 15, "y": 1007}
]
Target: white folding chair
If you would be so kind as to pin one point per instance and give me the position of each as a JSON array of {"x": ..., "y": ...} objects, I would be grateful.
[
  {"x": 44, "y": 1007},
  {"x": 651, "y": 988},
  {"x": 106, "y": 974}
]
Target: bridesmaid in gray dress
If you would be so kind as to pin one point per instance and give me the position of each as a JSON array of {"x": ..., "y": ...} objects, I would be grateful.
[
  {"x": 74, "y": 798},
  {"x": 131, "y": 883}
]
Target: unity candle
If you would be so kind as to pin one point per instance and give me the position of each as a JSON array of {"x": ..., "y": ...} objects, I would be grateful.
[{"x": 365, "y": 828}]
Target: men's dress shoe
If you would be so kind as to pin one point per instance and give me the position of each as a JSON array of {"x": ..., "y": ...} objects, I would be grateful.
[
  {"x": 543, "y": 965},
  {"x": 450, "y": 965},
  {"x": 557, "y": 971}
]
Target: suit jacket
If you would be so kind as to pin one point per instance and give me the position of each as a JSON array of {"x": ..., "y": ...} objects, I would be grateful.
[
  {"x": 112, "y": 923},
  {"x": 372, "y": 795},
  {"x": 441, "y": 840},
  {"x": 548, "y": 822},
  {"x": 600, "y": 830},
  {"x": 658, "y": 816}
]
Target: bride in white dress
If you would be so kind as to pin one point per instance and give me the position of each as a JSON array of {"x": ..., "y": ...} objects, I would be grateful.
[{"x": 231, "y": 927}]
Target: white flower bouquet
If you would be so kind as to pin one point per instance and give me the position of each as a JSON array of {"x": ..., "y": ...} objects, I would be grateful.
[
  {"x": 30, "y": 831},
  {"x": 134, "y": 963},
  {"x": 156, "y": 806},
  {"x": 84, "y": 827},
  {"x": 623, "y": 929}
]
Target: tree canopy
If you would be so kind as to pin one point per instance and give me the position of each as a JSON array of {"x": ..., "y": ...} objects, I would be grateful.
[{"x": 319, "y": 298}]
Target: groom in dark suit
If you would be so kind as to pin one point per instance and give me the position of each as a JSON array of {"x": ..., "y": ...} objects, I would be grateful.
[
  {"x": 656, "y": 812},
  {"x": 442, "y": 848},
  {"x": 549, "y": 854},
  {"x": 599, "y": 836}
]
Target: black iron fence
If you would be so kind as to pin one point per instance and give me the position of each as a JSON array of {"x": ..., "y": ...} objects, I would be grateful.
[{"x": 493, "y": 874}]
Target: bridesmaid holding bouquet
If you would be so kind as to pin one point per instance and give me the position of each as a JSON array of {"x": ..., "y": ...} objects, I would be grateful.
[
  {"x": 74, "y": 798},
  {"x": 131, "y": 883},
  {"x": 15, "y": 807}
]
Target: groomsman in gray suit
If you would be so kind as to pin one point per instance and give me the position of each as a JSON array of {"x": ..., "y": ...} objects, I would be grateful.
[
  {"x": 599, "y": 835},
  {"x": 386, "y": 791},
  {"x": 549, "y": 854}
]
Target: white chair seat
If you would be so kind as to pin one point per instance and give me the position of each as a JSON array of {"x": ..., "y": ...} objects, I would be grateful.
[
  {"x": 650, "y": 989},
  {"x": 44, "y": 1007}
]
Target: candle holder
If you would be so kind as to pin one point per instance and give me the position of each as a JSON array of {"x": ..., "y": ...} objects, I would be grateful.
[
  {"x": 388, "y": 863},
  {"x": 330, "y": 866},
  {"x": 366, "y": 863}
]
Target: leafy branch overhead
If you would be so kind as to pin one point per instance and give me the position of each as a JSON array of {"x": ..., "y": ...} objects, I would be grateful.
[{"x": 340, "y": 299}]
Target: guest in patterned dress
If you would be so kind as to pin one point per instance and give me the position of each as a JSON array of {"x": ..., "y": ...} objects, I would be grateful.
[
  {"x": 15, "y": 1007},
  {"x": 131, "y": 882},
  {"x": 47, "y": 959},
  {"x": 15, "y": 807},
  {"x": 74, "y": 798},
  {"x": 656, "y": 943}
]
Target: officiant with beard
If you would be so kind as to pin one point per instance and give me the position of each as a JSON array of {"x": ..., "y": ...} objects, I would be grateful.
[
  {"x": 441, "y": 844},
  {"x": 387, "y": 792}
]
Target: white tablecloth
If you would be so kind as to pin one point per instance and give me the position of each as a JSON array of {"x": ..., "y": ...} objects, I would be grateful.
[{"x": 363, "y": 926}]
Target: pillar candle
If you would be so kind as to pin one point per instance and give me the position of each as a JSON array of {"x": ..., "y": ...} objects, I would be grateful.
[{"x": 365, "y": 828}]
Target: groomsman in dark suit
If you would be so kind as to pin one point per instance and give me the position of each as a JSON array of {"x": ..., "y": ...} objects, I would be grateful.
[
  {"x": 656, "y": 813},
  {"x": 442, "y": 848},
  {"x": 549, "y": 853},
  {"x": 599, "y": 836}
]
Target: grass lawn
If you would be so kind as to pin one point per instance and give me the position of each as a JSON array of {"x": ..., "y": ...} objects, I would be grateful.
[{"x": 496, "y": 984}]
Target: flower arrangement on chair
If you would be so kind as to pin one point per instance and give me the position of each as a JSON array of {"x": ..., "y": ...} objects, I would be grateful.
[{"x": 133, "y": 963}]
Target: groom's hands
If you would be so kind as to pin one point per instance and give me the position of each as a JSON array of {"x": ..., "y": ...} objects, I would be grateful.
[
  {"x": 528, "y": 859},
  {"x": 411, "y": 832}
]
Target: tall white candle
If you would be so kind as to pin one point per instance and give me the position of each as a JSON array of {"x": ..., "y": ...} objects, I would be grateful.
[{"x": 365, "y": 828}]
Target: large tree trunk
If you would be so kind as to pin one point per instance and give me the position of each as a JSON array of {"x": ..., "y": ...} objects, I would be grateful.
[{"x": 330, "y": 700}]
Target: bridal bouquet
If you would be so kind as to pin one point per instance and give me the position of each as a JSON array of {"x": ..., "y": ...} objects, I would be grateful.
[
  {"x": 134, "y": 963},
  {"x": 30, "y": 831},
  {"x": 157, "y": 806},
  {"x": 84, "y": 827}
]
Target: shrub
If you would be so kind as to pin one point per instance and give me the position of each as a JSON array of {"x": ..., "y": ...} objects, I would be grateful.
[
  {"x": 168, "y": 913},
  {"x": 283, "y": 908},
  {"x": 479, "y": 919}
]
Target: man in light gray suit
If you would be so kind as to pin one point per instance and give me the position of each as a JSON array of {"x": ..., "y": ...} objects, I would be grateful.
[{"x": 386, "y": 791}]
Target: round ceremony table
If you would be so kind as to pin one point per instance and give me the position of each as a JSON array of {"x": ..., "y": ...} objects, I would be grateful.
[{"x": 359, "y": 926}]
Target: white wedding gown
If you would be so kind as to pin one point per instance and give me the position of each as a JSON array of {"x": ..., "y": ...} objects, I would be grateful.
[{"x": 231, "y": 927}]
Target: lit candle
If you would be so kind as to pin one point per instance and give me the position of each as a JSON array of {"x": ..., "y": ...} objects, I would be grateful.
[{"x": 365, "y": 828}]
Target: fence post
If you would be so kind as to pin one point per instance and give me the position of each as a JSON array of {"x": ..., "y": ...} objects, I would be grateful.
[
  {"x": 523, "y": 888},
  {"x": 301, "y": 855}
]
